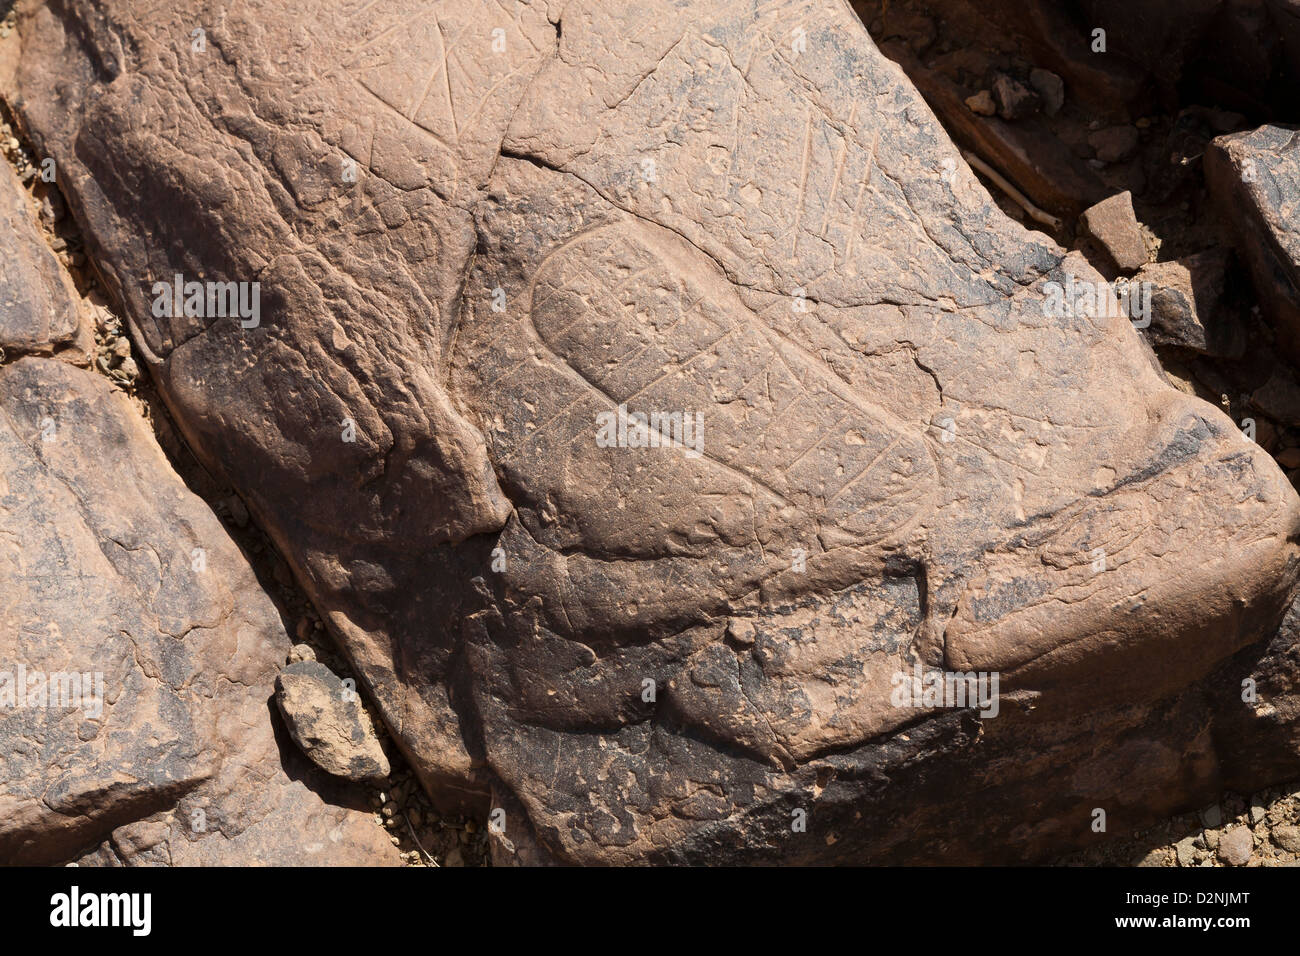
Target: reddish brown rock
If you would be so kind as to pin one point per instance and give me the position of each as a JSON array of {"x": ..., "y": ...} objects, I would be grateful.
[
  {"x": 1113, "y": 223},
  {"x": 1114, "y": 143},
  {"x": 1016, "y": 101},
  {"x": 1236, "y": 845},
  {"x": 137, "y": 657},
  {"x": 691, "y": 648},
  {"x": 38, "y": 311}
]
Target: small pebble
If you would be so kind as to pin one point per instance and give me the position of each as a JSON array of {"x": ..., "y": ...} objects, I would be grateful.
[
  {"x": 1257, "y": 808},
  {"x": 1287, "y": 838},
  {"x": 981, "y": 104},
  {"x": 301, "y": 652}
]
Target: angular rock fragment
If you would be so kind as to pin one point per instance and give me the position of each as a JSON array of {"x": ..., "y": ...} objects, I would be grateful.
[
  {"x": 658, "y": 407},
  {"x": 136, "y": 656},
  {"x": 1287, "y": 838},
  {"x": 1236, "y": 845},
  {"x": 1015, "y": 100},
  {"x": 1255, "y": 179},
  {"x": 1113, "y": 223},
  {"x": 326, "y": 721},
  {"x": 982, "y": 104},
  {"x": 1187, "y": 304}
]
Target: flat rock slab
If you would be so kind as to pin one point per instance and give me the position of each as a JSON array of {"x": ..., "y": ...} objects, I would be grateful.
[
  {"x": 38, "y": 311},
  {"x": 326, "y": 721},
  {"x": 137, "y": 656},
  {"x": 648, "y": 396},
  {"x": 1113, "y": 223},
  {"x": 1255, "y": 179}
]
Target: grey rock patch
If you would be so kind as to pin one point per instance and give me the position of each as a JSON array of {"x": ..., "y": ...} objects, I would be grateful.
[{"x": 326, "y": 721}]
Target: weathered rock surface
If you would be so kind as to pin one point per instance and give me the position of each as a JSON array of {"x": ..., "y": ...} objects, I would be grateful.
[
  {"x": 1187, "y": 308},
  {"x": 326, "y": 721},
  {"x": 1235, "y": 846},
  {"x": 1050, "y": 88},
  {"x": 1255, "y": 179},
  {"x": 138, "y": 655},
  {"x": 670, "y": 653},
  {"x": 38, "y": 312},
  {"x": 1035, "y": 161},
  {"x": 1287, "y": 838}
]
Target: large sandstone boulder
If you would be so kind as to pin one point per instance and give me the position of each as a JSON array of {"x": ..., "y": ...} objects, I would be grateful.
[
  {"x": 137, "y": 654},
  {"x": 486, "y": 242}
]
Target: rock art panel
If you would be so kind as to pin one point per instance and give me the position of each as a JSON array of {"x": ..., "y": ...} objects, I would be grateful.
[{"x": 654, "y": 402}]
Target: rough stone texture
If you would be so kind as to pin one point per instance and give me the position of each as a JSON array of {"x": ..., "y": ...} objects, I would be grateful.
[
  {"x": 97, "y": 557},
  {"x": 1187, "y": 304},
  {"x": 1279, "y": 398},
  {"x": 1287, "y": 838},
  {"x": 619, "y": 646},
  {"x": 1255, "y": 179},
  {"x": 38, "y": 311},
  {"x": 1036, "y": 162},
  {"x": 1113, "y": 224},
  {"x": 1236, "y": 845},
  {"x": 327, "y": 722}
]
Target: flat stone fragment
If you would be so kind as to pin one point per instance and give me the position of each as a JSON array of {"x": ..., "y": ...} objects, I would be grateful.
[
  {"x": 1113, "y": 223},
  {"x": 326, "y": 721},
  {"x": 648, "y": 405},
  {"x": 137, "y": 655}
]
